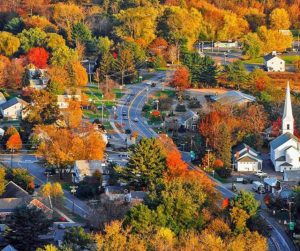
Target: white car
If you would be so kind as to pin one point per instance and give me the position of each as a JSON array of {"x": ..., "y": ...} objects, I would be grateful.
[
  {"x": 136, "y": 119},
  {"x": 261, "y": 173}
]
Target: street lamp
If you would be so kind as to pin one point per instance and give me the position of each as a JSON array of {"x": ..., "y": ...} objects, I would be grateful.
[
  {"x": 73, "y": 191},
  {"x": 157, "y": 101},
  {"x": 147, "y": 98}
]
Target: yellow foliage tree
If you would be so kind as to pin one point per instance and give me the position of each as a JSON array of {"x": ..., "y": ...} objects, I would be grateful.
[
  {"x": 9, "y": 44},
  {"x": 279, "y": 19}
]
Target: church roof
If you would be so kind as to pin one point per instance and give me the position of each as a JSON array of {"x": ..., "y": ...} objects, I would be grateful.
[
  {"x": 281, "y": 158},
  {"x": 286, "y": 164},
  {"x": 247, "y": 159},
  {"x": 282, "y": 139},
  {"x": 287, "y": 111}
]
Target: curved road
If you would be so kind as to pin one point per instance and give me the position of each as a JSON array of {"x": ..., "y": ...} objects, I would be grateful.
[{"x": 131, "y": 104}]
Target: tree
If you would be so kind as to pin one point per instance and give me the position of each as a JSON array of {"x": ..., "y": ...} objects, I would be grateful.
[
  {"x": 40, "y": 22},
  {"x": 59, "y": 80},
  {"x": 54, "y": 41},
  {"x": 15, "y": 71},
  {"x": 21, "y": 177},
  {"x": 43, "y": 109},
  {"x": 14, "y": 142},
  {"x": 146, "y": 165},
  {"x": 67, "y": 15},
  {"x": 34, "y": 37},
  {"x": 38, "y": 56},
  {"x": 137, "y": 23},
  {"x": 53, "y": 190},
  {"x": 9, "y": 44},
  {"x": 81, "y": 33},
  {"x": 104, "y": 44},
  {"x": 4, "y": 63},
  {"x": 181, "y": 79},
  {"x": 77, "y": 238},
  {"x": 224, "y": 146},
  {"x": 27, "y": 223},
  {"x": 15, "y": 25},
  {"x": 77, "y": 74},
  {"x": 252, "y": 46},
  {"x": 2, "y": 180},
  {"x": 236, "y": 73},
  {"x": 124, "y": 64},
  {"x": 73, "y": 114},
  {"x": 48, "y": 247},
  {"x": 105, "y": 67},
  {"x": 279, "y": 19},
  {"x": 158, "y": 46},
  {"x": 63, "y": 55},
  {"x": 245, "y": 201},
  {"x": 177, "y": 24},
  {"x": 202, "y": 70},
  {"x": 239, "y": 218}
]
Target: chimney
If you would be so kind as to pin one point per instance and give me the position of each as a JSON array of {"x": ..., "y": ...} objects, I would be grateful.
[{"x": 274, "y": 53}]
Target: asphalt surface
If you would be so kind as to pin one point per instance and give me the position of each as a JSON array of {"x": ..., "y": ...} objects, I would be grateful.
[{"x": 131, "y": 105}]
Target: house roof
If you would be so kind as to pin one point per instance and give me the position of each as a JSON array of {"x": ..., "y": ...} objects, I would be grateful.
[
  {"x": 286, "y": 164},
  {"x": 188, "y": 115},
  {"x": 12, "y": 190},
  {"x": 233, "y": 98},
  {"x": 271, "y": 181},
  {"x": 281, "y": 158},
  {"x": 9, "y": 204},
  {"x": 244, "y": 150},
  {"x": 88, "y": 167},
  {"x": 246, "y": 159},
  {"x": 282, "y": 139},
  {"x": 12, "y": 102},
  {"x": 9, "y": 248},
  {"x": 38, "y": 204},
  {"x": 269, "y": 56}
]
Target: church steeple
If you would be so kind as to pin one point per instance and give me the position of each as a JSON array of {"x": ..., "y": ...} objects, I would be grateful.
[{"x": 287, "y": 118}]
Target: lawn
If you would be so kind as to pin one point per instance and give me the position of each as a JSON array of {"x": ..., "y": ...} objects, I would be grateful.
[
  {"x": 289, "y": 59},
  {"x": 98, "y": 115},
  {"x": 169, "y": 93}
]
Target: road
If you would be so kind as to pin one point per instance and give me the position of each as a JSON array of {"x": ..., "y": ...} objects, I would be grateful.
[
  {"x": 131, "y": 105},
  {"x": 31, "y": 163}
]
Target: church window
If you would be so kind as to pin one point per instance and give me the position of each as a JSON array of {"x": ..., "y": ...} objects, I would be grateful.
[{"x": 288, "y": 126}]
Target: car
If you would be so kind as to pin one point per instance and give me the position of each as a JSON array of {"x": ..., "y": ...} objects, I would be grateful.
[
  {"x": 61, "y": 226},
  {"x": 36, "y": 185},
  {"x": 127, "y": 131},
  {"x": 153, "y": 84},
  {"x": 124, "y": 113},
  {"x": 49, "y": 171},
  {"x": 125, "y": 117},
  {"x": 136, "y": 119},
  {"x": 260, "y": 173}
]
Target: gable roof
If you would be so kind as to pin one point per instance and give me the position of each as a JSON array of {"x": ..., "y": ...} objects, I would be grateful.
[
  {"x": 246, "y": 159},
  {"x": 13, "y": 102},
  {"x": 12, "y": 190},
  {"x": 88, "y": 167},
  {"x": 286, "y": 164},
  {"x": 233, "y": 98},
  {"x": 9, "y": 248},
  {"x": 282, "y": 139},
  {"x": 188, "y": 115},
  {"x": 245, "y": 151}
]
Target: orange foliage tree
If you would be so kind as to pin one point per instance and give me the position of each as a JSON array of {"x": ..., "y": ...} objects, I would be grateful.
[
  {"x": 38, "y": 56},
  {"x": 181, "y": 79},
  {"x": 14, "y": 142}
]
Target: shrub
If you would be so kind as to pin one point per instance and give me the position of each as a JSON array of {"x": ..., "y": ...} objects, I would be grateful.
[
  {"x": 155, "y": 113},
  {"x": 223, "y": 172},
  {"x": 180, "y": 108}
]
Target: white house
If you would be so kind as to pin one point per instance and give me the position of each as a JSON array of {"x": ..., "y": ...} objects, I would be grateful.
[
  {"x": 86, "y": 168},
  {"x": 189, "y": 120},
  {"x": 226, "y": 44},
  {"x": 285, "y": 149},
  {"x": 273, "y": 63},
  {"x": 13, "y": 108},
  {"x": 272, "y": 185},
  {"x": 246, "y": 159},
  {"x": 70, "y": 94}
]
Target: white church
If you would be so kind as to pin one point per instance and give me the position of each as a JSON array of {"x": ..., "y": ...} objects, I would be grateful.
[{"x": 285, "y": 149}]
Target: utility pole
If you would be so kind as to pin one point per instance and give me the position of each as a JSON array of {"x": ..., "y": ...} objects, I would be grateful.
[
  {"x": 106, "y": 82},
  {"x": 102, "y": 112},
  {"x": 90, "y": 76},
  {"x": 212, "y": 46}
]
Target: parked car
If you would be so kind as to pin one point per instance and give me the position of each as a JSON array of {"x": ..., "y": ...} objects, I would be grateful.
[
  {"x": 136, "y": 119},
  {"x": 258, "y": 187},
  {"x": 61, "y": 226},
  {"x": 260, "y": 173}
]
